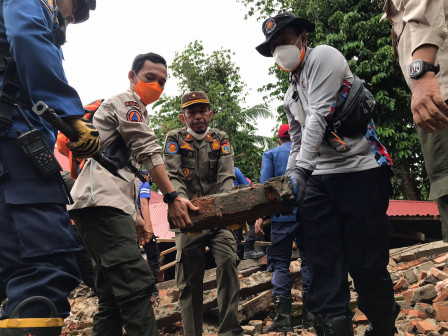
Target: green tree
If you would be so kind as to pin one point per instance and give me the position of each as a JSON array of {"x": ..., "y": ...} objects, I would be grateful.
[
  {"x": 218, "y": 76},
  {"x": 353, "y": 27}
]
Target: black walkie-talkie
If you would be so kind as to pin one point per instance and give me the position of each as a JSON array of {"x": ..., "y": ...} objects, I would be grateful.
[{"x": 35, "y": 147}]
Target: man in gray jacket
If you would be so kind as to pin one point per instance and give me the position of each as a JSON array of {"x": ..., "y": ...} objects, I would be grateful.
[{"x": 343, "y": 184}]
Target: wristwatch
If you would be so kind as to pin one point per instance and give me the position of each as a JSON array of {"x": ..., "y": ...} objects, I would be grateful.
[
  {"x": 419, "y": 67},
  {"x": 170, "y": 197}
]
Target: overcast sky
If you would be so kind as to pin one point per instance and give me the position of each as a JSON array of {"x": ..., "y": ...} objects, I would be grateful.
[{"x": 99, "y": 53}]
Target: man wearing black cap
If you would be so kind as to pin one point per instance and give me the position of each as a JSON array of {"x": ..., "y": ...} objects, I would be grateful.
[
  {"x": 343, "y": 185},
  {"x": 199, "y": 160}
]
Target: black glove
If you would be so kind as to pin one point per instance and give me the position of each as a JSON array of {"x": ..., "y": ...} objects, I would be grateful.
[{"x": 299, "y": 177}]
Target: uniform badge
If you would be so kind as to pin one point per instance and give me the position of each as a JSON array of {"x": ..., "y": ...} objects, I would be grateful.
[
  {"x": 132, "y": 104},
  {"x": 270, "y": 26},
  {"x": 303, "y": 84},
  {"x": 225, "y": 147},
  {"x": 208, "y": 137},
  {"x": 186, "y": 145},
  {"x": 134, "y": 115},
  {"x": 215, "y": 144},
  {"x": 187, "y": 173},
  {"x": 188, "y": 137},
  {"x": 172, "y": 147}
]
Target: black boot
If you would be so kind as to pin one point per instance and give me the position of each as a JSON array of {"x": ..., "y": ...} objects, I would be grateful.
[
  {"x": 384, "y": 326},
  {"x": 307, "y": 316},
  {"x": 16, "y": 326},
  {"x": 335, "y": 326},
  {"x": 249, "y": 251},
  {"x": 282, "y": 320}
]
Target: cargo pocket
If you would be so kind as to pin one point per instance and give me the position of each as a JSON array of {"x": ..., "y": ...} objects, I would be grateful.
[
  {"x": 180, "y": 274},
  {"x": 40, "y": 220},
  {"x": 126, "y": 270}
]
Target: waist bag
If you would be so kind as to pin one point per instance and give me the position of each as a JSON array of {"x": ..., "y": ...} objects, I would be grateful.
[{"x": 352, "y": 115}]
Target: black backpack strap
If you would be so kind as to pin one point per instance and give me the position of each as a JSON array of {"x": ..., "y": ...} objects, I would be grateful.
[{"x": 10, "y": 88}]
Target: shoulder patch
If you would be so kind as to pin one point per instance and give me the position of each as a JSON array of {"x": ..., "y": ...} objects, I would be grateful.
[
  {"x": 216, "y": 145},
  {"x": 134, "y": 115},
  {"x": 225, "y": 147},
  {"x": 132, "y": 104},
  {"x": 172, "y": 147}
]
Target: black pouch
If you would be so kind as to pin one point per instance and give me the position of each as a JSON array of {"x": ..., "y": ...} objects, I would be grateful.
[
  {"x": 118, "y": 153},
  {"x": 352, "y": 116}
]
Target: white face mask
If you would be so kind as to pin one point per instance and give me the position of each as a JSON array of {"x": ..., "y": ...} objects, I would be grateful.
[{"x": 288, "y": 57}]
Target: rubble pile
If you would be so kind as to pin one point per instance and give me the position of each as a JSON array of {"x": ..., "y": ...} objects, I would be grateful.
[{"x": 419, "y": 274}]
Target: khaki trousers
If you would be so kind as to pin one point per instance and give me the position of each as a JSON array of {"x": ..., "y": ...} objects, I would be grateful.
[{"x": 190, "y": 268}]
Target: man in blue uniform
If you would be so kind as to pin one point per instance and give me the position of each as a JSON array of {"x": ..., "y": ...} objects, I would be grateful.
[
  {"x": 284, "y": 230},
  {"x": 343, "y": 186},
  {"x": 248, "y": 250},
  {"x": 151, "y": 248},
  {"x": 36, "y": 239}
]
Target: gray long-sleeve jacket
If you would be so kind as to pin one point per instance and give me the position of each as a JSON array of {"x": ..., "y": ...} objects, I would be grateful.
[{"x": 318, "y": 83}]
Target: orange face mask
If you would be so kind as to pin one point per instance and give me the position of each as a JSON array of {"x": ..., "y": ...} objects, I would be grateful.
[{"x": 148, "y": 92}]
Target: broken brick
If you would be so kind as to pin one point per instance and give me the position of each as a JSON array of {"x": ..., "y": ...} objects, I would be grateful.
[
  {"x": 425, "y": 326},
  {"x": 441, "y": 309}
]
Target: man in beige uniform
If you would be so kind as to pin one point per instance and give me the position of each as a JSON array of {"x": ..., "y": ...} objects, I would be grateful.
[
  {"x": 104, "y": 208},
  {"x": 199, "y": 160},
  {"x": 420, "y": 38}
]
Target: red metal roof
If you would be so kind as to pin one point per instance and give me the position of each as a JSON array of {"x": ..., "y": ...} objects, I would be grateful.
[
  {"x": 412, "y": 208},
  {"x": 159, "y": 216},
  {"x": 63, "y": 160}
]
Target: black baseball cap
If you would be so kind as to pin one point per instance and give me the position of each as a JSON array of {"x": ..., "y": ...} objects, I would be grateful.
[{"x": 274, "y": 25}]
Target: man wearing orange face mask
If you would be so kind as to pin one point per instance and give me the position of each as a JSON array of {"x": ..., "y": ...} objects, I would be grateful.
[{"x": 104, "y": 205}]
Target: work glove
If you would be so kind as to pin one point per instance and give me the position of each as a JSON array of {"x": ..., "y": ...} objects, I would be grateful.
[
  {"x": 299, "y": 178},
  {"x": 88, "y": 142}
]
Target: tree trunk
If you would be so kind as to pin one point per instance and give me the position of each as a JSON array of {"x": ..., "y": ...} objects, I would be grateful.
[{"x": 408, "y": 185}]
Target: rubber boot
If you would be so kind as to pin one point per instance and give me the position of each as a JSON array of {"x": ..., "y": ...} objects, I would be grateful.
[
  {"x": 335, "y": 326},
  {"x": 282, "y": 320},
  {"x": 249, "y": 251},
  {"x": 307, "y": 316},
  {"x": 384, "y": 326},
  {"x": 16, "y": 326}
]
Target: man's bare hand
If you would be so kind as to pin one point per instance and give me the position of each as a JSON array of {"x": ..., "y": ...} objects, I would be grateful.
[
  {"x": 259, "y": 227},
  {"x": 178, "y": 212},
  {"x": 428, "y": 108},
  {"x": 144, "y": 232}
]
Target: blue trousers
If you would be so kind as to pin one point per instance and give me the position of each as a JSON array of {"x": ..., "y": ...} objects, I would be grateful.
[
  {"x": 279, "y": 257},
  {"x": 37, "y": 242},
  {"x": 344, "y": 229}
]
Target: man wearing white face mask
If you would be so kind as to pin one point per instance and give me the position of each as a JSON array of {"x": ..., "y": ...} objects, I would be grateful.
[
  {"x": 343, "y": 187},
  {"x": 199, "y": 160},
  {"x": 104, "y": 206}
]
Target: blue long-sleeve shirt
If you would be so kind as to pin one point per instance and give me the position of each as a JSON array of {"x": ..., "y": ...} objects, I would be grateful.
[
  {"x": 26, "y": 30},
  {"x": 274, "y": 164},
  {"x": 240, "y": 178}
]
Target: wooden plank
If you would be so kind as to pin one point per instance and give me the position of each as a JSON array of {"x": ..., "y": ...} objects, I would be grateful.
[
  {"x": 171, "y": 249},
  {"x": 259, "y": 303}
]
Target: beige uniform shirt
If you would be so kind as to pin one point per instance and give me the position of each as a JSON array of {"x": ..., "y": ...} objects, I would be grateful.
[
  {"x": 418, "y": 22},
  {"x": 199, "y": 167},
  {"x": 123, "y": 114}
]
